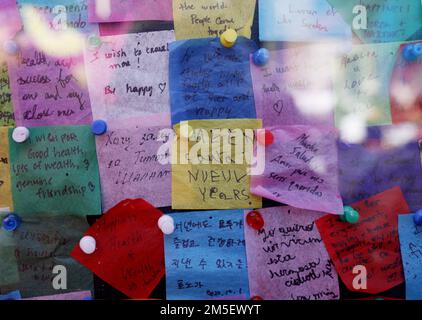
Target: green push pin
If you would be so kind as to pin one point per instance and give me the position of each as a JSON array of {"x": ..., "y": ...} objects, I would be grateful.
[
  {"x": 349, "y": 215},
  {"x": 94, "y": 41}
]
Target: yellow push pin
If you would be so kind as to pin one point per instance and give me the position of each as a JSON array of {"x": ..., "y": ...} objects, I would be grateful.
[{"x": 228, "y": 38}]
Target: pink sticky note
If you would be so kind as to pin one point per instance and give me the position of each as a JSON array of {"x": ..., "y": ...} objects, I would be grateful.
[
  {"x": 287, "y": 259},
  {"x": 301, "y": 169},
  {"x": 10, "y": 20}
]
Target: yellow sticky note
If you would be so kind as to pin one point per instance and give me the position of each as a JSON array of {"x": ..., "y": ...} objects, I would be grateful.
[
  {"x": 210, "y": 164},
  {"x": 5, "y": 190},
  {"x": 210, "y": 18}
]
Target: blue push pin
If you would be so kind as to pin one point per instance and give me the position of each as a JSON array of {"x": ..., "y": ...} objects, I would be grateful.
[
  {"x": 11, "y": 47},
  {"x": 417, "y": 218},
  {"x": 261, "y": 57},
  {"x": 99, "y": 127},
  {"x": 412, "y": 51},
  {"x": 417, "y": 49},
  {"x": 11, "y": 222}
]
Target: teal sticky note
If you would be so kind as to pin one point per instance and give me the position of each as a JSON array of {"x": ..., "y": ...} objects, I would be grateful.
[
  {"x": 55, "y": 171},
  {"x": 411, "y": 251}
]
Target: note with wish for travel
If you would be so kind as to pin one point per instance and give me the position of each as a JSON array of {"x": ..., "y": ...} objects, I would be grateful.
[
  {"x": 129, "y": 251},
  {"x": 295, "y": 86},
  {"x": 210, "y": 18},
  {"x": 381, "y": 20},
  {"x": 372, "y": 242},
  {"x": 40, "y": 244},
  {"x": 129, "y": 10},
  {"x": 210, "y": 170},
  {"x": 301, "y": 20},
  {"x": 48, "y": 90},
  {"x": 208, "y": 81},
  {"x": 301, "y": 169},
  {"x": 411, "y": 252},
  {"x": 6, "y": 108},
  {"x": 287, "y": 259},
  {"x": 134, "y": 162},
  {"x": 5, "y": 183},
  {"x": 134, "y": 75},
  {"x": 363, "y": 84},
  {"x": 55, "y": 171},
  {"x": 206, "y": 257}
]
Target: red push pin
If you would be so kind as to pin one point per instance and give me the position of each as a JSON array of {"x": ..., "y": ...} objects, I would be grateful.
[
  {"x": 257, "y": 298},
  {"x": 265, "y": 137},
  {"x": 254, "y": 220}
]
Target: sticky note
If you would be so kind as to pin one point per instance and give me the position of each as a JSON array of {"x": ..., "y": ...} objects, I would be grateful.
[
  {"x": 208, "y": 81},
  {"x": 134, "y": 75},
  {"x": 6, "y": 109},
  {"x": 77, "y": 295},
  {"x": 134, "y": 163},
  {"x": 5, "y": 184},
  {"x": 287, "y": 259},
  {"x": 36, "y": 247},
  {"x": 206, "y": 257},
  {"x": 129, "y": 251},
  {"x": 55, "y": 171},
  {"x": 208, "y": 18},
  {"x": 216, "y": 172},
  {"x": 129, "y": 10},
  {"x": 366, "y": 170},
  {"x": 10, "y": 20},
  {"x": 372, "y": 242},
  {"x": 384, "y": 21},
  {"x": 301, "y": 169},
  {"x": 362, "y": 84},
  {"x": 411, "y": 251},
  {"x": 295, "y": 87},
  {"x": 405, "y": 89},
  {"x": 303, "y": 20}
]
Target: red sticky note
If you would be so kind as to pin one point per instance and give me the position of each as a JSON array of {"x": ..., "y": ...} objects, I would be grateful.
[
  {"x": 129, "y": 251},
  {"x": 372, "y": 242}
]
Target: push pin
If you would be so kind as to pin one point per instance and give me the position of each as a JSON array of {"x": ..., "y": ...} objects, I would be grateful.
[
  {"x": 20, "y": 134},
  {"x": 254, "y": 220},
  {"x": 261, "y": 57},
  {"x": 166, "y": 224},
  {"x": 228, "y": 38},
  {"x": 265, "y": 137},
  {"x": 87, "y": 244},
  {"x": 412, "y": 51},
  {"x": 99, "y": 127},
  {"x": 11, "y": 47},
  {"x": 417, "y": 218},
  {"x": 94, "y": 41},
  {"x": 11, "y": 222},
  {"x": 349, "y": 215}
]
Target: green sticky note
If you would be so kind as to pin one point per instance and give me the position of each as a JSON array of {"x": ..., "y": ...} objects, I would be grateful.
[
  {"x": 6, "y": 110},
  {"x": 55, "y": 171}
]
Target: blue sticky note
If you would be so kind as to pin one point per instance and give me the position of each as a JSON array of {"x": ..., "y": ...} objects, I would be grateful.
[
  {"x": 411, "y": 251},
  {"x": 206, "y": 257},
  {"x": 209, "y": 81},
  {"x": 13, "y": 295},
  {"x": 300, "y": 20}
]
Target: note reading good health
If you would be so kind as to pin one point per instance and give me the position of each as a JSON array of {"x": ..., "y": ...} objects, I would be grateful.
[
  {"x": 208, "y": 81},
  {"x": 206, "y": 257},
  {"x": 5, "y": 185},
  {"x": 209, "y": 18},
  {"x": 55, "y": 171},
  {"x": 134, "y": 75},
  {"x": 295, "y": 87},
  {"x": 300, "y": 20},
  {"x": 372, "y": 242},
  {"x": 301, "y": 169},
  {"x": 411, "y": 251},
  {"x": 6, "y": 109},
  {"x": 287, "y": 259},
  {"x": 132, "y": 164},
  {"x": 129, "y": 252}
]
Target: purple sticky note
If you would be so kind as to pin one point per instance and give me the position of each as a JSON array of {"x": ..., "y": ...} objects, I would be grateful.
[
  {"x": 134, "y": 162},
  {"x": 48, "y": 90},
  {"x": 301, "y": 169},
  {"x": 10, "y": 20},
  {"x": 287, "y": 259},
  {"x": 295, "y": 87}
]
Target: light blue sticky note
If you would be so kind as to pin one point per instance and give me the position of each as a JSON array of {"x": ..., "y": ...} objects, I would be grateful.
[
  {"x": 206, "y": 256},
  {"x": 300, "y": 20},
  {"x": 411, "y": 250},
  {"x": 13, "y": 295}
]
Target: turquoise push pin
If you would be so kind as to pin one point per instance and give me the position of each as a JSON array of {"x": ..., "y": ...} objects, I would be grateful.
[
  {"x": 94, "y": 41},
  {"x": 261, "y": 57},
  {"x": 417, "y": 218},
  {"x": 349, "y": 215},
  {"x": 11, "y": 222},
  {"x": 99, "y": 127}
]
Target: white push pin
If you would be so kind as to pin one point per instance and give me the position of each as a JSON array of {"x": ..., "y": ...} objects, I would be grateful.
[
  {"x": 166, "y": 224},
  {"x": 87, "y": 244},
  {"x": 20, "y": 134}
]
